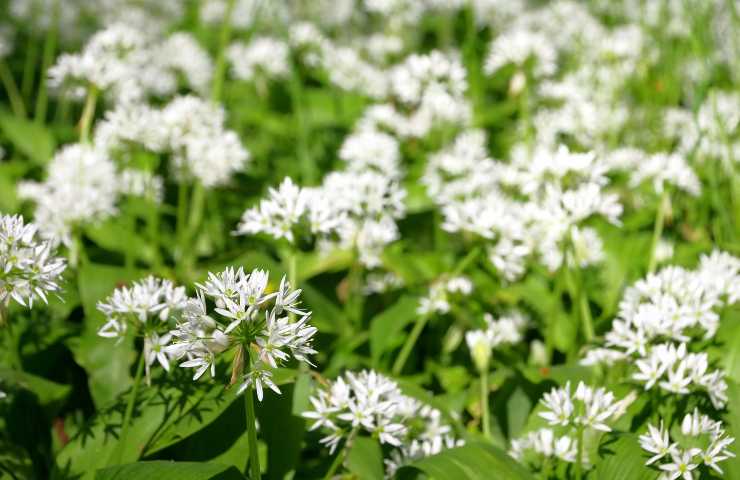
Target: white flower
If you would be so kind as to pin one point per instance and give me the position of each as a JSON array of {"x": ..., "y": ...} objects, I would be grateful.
[
  {"x": 81, "y": 186},
  {"x": 681, "y": 466},
  {"x": 250, "y": 319},
  {"x": 656, "y": 442},
  {"x": 262, "y": 56},
  {"x": 559, "y": 406},
  {"x": 370, "y": 402},
  {"x": 589, "y": 407},
  {"x": 29, "y": 269}
]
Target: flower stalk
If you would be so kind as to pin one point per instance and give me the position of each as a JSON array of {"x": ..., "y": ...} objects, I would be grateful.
[
  {"x": 254, "y": 459},
  {"x": 122, "y": 440}
]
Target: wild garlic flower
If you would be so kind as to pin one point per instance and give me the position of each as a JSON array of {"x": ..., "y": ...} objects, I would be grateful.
[
  {"x": 701, "y": 441},
  {"x": 381, "y": 282},
  {"x": 659, "y": 169},
  {"x": 369, "y": 149},
  {"x": 543, "y": 444},
  {"x": 442, "y": 293},
  {"x": 431, "y": 89},
  {"x": 262, "y": 57},
  {"x": 127, "y": 65},
  {"x": 517, "y": 48},
  {"x": 293, "y": 213},
  {"x": 678, "y": 372},
  {"x": 245, "y": 317},
  {"x": 81, "y": 187},
  {"x": 505, "y": 330},
  {"x": 718, "y": 123},
  {"x": 201, "y": 145},
  {"x": 369, "y": 403},
  {"x": 147, "y": 307},
  {"x": 29, "y": 267},
  {"x": 592, "y": 408},
  {"x": 659, "y": 319},
  {"x": 190, "y": 129}
]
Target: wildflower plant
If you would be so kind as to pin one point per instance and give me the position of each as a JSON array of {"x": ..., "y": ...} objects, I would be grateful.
[{"x": 509, "y": 233}]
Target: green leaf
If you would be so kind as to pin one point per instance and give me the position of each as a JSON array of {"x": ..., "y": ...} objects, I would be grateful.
[
  {"x": 201, "y": 408},
  {"x": 282, "y": 431},
  {"x": 365, "y": 459},
  {"x": 30, "y": 138},
  {"x": 385, "y": 328},
  {"x": 93, "y": 445},
  {"x": 311, "y": 264},
  {"x": 107, "y": 362},
  {"x": 50, "y": 394},
  {"x": 622, "y": 458},
  {"x": 731, "y": 466},
  {"x": 474, "y": 461},
  {"x": 162, "y": 470}
]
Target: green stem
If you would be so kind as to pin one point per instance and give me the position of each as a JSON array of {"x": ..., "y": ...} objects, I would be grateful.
[
  {"x": 466, "y": 261},
  {"x": 579, "y": 455},
  {"x": 338, "y": 460},
  {"x": 50, "y": 45},
  {"x": 118, "y": 453},
  {"x": 220, "y": 70},
  {"x": 354, "y": 293},
  {"x": 578, "y": 296},
  {"x": 254, "y": 459},
  {"x": 485, "y": 412},
  {"x": 29, "y": 69},
  {"x": 421, "y": 321},
  {"x": 11, "y": 88},
  {"x": 196, "y": 207},
  {"x": 14, "y": 345},
  {"x": 473, "y": 63},
  {"x": 182, "y": 209},
  {"x": 88, "y": 112},
  {"x": 658, "y": 229},
  {"x": 301, "y": 127}
]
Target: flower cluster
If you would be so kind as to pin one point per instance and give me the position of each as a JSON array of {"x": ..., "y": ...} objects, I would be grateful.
[
  {"x": 442, "y": 292},
  {"x": 592, "y": 408},
  {"x": 502, "y": 331},
  {"x": 368, "y": 402},
  {"x": 659, "y": 319},
  {"x": 701, "y": 441},
  {"x": 81, "y": 187},
  {"x": 29, "y": 267},
  {"x": 190, "y": 129},
  {"x": 146, "y": 306},
  {"x": 257, "y": 324},
  {"x": 127, "y": 65}
]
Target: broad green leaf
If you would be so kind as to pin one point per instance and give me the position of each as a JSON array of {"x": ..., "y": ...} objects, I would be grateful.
[
  {"x": 33, "y": 140},
  {"x": 282, "y": 430},
  {"x": 312, "y": 264},
  {"x": 106, "y": 361},
  {"x": 365, "y": 460},
  {"x": 474, "y": 461},
  {"x": 386, "y": 327},
  {"x": 50, "y": 394},
  {"x": 162, "y": 470},
  {"x": 201, "y": 407},
  {"x": 326, "y": 315},
  {"x": 731, "y": 466},
  {"x": 93, "y": 445},
  {"x": 622, "y": 458}
]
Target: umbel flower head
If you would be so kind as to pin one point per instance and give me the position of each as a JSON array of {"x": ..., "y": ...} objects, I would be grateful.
[
  {"x": 146, "y": 306},
  {"x": 266, "y": 329},
  {"x": 29, "y": 269},
  {"x": 368, "y": 402},
  {"x": 702, "y": 441},
  {"x": 592, "y": 408}
]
